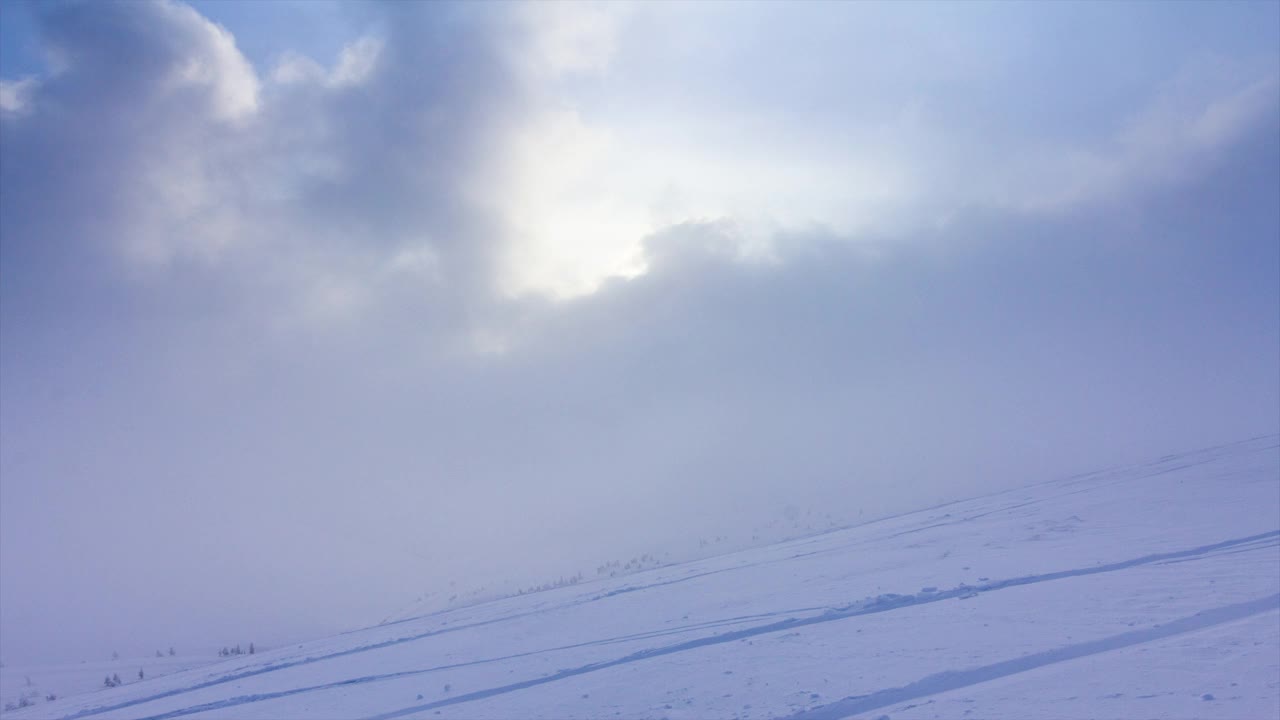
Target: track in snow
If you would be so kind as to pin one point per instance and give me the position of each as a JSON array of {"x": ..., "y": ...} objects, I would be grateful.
[
  {"x": 880, "y": 604},
  {"x": 956, "y": 679}
]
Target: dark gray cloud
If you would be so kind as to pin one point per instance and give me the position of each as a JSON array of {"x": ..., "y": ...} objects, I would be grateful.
[{"x": 157, "y": 151}]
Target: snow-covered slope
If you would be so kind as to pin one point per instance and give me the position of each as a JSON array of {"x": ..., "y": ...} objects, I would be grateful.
[
  {"x": 1150, "y": 591},
  {"x": 34, "y": 683}
]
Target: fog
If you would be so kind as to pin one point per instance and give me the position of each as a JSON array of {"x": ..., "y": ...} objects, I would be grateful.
[{"x": 487, "y": 292}]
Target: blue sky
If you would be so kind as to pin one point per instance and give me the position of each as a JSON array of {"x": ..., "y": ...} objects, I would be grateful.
[{"x": 341, "y": 302}]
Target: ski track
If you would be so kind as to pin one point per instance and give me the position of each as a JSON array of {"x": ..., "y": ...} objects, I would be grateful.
[
  {"x": 391, "y": 676},
  {"x": 882, "y": 603},
  {"x": 411, "y": 638},
  {"x": 956, "y": 679},
  {"x": 1249, "y": 547},
  {"x": 295, "y": 663}
]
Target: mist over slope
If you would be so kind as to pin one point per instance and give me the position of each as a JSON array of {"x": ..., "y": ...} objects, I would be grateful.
[
  {"x": 310, "y": 308},
  {"x": 1146, "y": 590}
]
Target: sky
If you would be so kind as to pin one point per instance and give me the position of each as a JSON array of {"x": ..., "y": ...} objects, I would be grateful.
[{"x": 307, "y": 308}]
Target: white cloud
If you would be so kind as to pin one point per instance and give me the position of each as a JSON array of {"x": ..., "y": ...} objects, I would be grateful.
[
  {"x": 354, "y": 65},
  {"x": 356, "y": 62},
  {"x": 293, "y": 68},
  {"x": 566, "y": 38},
  {"x": 212, "y": 61},
  {"x": 1203, "y": 110},
  {"x": 15, "y": 94}
]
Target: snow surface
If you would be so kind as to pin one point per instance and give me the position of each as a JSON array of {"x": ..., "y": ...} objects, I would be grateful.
[
  {"x": 36, "y": 682},
  {"x": 1148, "y": 591}
]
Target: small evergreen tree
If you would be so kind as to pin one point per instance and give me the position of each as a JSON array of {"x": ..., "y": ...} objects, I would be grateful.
[
  {"x": 250, "y": 648},
  {"x": 139, "y": 673},
  {"x": 115, "y": 678}
]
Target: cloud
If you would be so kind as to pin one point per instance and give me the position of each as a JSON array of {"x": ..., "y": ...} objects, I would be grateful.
[
  {"x": 298, "y": 189},
  {"x": 695, "y": 115},
  {"x": 491, "y": 280},
  {"x": 533, "y": 151},
  {"x": 13, "y": 95},
  {"x": 162, "y": 49},
  {"x": 139, "y": 94},
  {"x": 1200, "y": 114}
]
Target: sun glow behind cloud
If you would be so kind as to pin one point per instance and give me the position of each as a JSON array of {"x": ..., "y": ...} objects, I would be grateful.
[
  {"x": 586, "y": 177},
  {"x": 591, "y": 171},
  {"x": 571, "y": 208}
]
